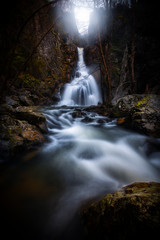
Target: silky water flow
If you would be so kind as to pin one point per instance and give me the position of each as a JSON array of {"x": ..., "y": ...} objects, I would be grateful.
[
  {"x": 83, "y": 89},
  {"x": 85, "y": 157}
]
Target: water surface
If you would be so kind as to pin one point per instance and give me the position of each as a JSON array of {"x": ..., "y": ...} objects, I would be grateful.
[{"x": 85, "y": 157}]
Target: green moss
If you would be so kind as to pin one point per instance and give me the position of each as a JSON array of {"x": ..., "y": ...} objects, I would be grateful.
[
  {"x": 38, "y": 64},
  {"x": 9, "y": 132},
  {"x": 17, "y": 62},
  {"x": 143, "y": 102},
  {"x": 27, "y": 80}
]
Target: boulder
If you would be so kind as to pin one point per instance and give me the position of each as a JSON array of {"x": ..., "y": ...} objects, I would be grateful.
[
  {"x": 17, "y": 135},
  {"x": 21, "y": 128},
  {"x": 25, "y": 100},
  {"x": 32, "y": 116},
  {"x": 78, "y": 74},
  {"x": 133, "y": 212},
  {"x": 140, "y": 112},
  {"x": 12, "y": 101}
]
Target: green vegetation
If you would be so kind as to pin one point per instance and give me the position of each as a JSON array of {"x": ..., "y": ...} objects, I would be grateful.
[
  {"x": 143, "y": 102},
  {"x": 27, "y": 80}
]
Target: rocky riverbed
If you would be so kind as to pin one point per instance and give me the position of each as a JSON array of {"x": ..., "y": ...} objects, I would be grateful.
[
  {"x": 100, "y": 157},
  {"x": 23, "y": 126}
]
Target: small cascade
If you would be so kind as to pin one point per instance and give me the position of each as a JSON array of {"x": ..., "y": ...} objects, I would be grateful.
[{"x": 83, "y": 89}]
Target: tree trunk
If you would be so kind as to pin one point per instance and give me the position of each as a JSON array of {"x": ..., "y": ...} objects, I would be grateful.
[
  {"x": 107, "y": 80},
  {"x": 132, "y": 64}
]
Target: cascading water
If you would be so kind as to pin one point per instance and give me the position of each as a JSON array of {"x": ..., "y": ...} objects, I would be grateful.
[
  {"x": 82, "y": 160},
  {"x": 86, "y": 156},
  {"x": 83, "y": 89}
]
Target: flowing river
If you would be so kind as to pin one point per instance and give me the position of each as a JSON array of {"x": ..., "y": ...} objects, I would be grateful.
[
  {"x": 82, "y": 160},
  {"x": 85, "y": 157}
]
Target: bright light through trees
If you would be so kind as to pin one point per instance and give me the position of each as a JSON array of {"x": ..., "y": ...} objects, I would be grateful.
[{"x": 82, "y": 19}]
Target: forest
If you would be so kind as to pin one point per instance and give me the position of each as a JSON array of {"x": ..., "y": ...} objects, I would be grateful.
[{"x": 79, "y": 119}]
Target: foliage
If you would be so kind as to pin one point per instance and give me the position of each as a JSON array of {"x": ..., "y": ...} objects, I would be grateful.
[{"x": 26, "y": 80}]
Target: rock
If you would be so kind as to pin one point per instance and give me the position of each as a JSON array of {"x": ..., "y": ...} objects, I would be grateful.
[
  {"x": 78, "y": 74},
  {"x": 32, "y": 116},
  {"x": 21, "y": 128},
  {"x": 26, "y": 101},
  {"x": 140, "y": 112},
  {"x": 12, "y": 101},
  {"x": 31, "y": 134},
  {"x": 78, "y": 113},
  {"x": 120, "y": 121},
  {"x": 133, "y": 212},
  {"x": 17, "y": 135}
]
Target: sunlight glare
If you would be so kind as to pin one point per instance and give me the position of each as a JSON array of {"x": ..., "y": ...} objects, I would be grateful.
[{"x": 82, "y": 19}]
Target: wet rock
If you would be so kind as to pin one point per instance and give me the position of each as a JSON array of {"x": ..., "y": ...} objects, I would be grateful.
[
  {"x": 87, "y": 120},
  {"x": 101, "y": 109},
  {"x": 133, "y": 212},
  {"x": 21, "y": 128},
  {"x": 17, "y": 135},
  {"x": 56, "y": 97},
  {"x": 140, "y": 112},
  {"x": 32, "y": 116},
  {"x": 120, "y": 121},
  {"x": 78, "y": 114},
  {"x": 78, "y": 74},
  {"x": 26, "y": 101},
  {"x": 12, "y": 101}
]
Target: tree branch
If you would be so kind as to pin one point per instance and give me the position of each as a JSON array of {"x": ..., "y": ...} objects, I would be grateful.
[
  {"x": 35, "y": 48},
  {"x": 32, "y": 15}
]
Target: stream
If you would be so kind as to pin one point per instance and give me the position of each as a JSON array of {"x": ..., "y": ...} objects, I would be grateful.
[{"x": 86, "y": 155}]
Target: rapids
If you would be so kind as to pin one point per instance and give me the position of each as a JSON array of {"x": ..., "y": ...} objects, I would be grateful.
[{"x": 85, "y": 157}]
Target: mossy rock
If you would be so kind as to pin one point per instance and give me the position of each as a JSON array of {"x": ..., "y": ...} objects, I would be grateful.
[
  {"x": 141, "y": 113},
  {"x": 21, "y": 129},
  {"x": 143, "y": 102},
  {"x": 133, "y": 212}
]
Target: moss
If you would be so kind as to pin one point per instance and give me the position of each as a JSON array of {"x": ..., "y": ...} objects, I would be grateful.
[
  {"x": 125, "y": 214},
  {"x": 27, "y": 80},
  {"x": 143, "y": 102},
  {"x": 38, "y": 64},
  {"x": 17, "y": 62},
  {"x": 9, "y": 131}
]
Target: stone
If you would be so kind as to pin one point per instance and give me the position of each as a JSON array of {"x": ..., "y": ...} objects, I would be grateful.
[
  {"x": 26, "y": 101},
  {"x": 133, "y": 212},
  {"x": 120, "y": 121},
  {"x": 78, "y": 74},
  {"x": 32, "y": 116},
  {"x": 21, "y": 129},
  {"x": 10, "y": 100},
  {"x": 141, "y": 113}
]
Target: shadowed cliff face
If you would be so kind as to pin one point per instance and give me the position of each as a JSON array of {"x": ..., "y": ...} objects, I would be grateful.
[
  {"x": 38, "y": 53},
  {"x": 43, "y": 58}
]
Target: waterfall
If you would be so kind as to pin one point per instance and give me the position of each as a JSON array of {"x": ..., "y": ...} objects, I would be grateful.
[{"x": 83, "y": 89}]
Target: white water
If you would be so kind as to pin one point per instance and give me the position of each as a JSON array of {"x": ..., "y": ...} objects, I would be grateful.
[
  {"x": 83, "y": 89},
  {"x": 87, "y": 156},
  {"x": 94, "y": 158}
]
